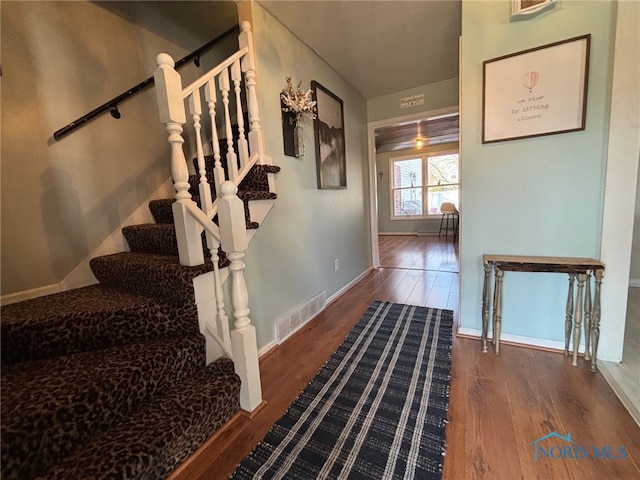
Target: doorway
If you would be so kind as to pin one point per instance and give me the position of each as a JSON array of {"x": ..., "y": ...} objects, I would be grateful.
[{"x": 400, "y": 133}]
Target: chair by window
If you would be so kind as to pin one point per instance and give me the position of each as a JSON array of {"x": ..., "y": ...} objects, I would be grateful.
[{"x": 449, "y": 221}]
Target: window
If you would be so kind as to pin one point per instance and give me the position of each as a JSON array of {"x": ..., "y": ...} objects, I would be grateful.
[{"x": 419, "y": 184}]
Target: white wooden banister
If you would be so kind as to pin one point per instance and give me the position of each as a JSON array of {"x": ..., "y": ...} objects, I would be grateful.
[
  {"x": 243, "y": 337},
  {"x": 248, "y": 66},
  {"x": 221, "y": 90},
  {"x": 172, "y": 114}
]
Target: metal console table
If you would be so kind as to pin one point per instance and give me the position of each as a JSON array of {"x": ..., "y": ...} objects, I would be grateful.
[{"x": 577, "y": 268}]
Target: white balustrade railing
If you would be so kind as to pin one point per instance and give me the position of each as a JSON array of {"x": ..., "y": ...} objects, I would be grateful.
[{"x": 222, "y": 89}]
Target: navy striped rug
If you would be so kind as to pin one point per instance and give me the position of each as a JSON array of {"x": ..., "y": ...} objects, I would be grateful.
[{"x": 376, "y": 410}]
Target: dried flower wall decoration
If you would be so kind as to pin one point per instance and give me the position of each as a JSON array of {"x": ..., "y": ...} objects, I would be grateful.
[{"x": 297, "y": 103}]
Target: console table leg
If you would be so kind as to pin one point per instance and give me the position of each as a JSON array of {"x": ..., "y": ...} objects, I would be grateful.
[
  {"x": 587, "y": 318},
  {"x": 485, "y": 305},
  {"x": 497, "y": 309},
  {"x": 595, "y": 324},
  {"x": 578, "y": 319},
  {"x": 568, "y": 322}
]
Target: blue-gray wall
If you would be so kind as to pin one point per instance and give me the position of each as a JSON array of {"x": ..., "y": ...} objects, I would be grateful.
[
  {"x": 538, "y": 196},
  {"x": 292, "y": 256}
]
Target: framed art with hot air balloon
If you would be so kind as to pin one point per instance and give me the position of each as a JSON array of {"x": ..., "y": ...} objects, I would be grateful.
[{"x": 539, "y": 91}]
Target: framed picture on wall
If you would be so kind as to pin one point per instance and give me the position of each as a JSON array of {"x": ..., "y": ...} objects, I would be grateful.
[
  {"x": 529, "y": 7},
  {"x": 328, "y": 129},
  {"x": 540, "y": 91}
]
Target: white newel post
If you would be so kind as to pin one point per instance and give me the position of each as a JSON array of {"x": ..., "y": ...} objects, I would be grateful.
[
  {"x": 243, "y": 338},
  {"x": 172, "y": 115}
]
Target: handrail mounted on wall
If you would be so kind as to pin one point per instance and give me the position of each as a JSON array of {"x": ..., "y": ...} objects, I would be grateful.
[{"x": 112, "y": 105}]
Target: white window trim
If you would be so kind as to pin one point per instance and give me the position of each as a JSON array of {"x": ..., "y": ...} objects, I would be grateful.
[{"x": 425, "y": 186}]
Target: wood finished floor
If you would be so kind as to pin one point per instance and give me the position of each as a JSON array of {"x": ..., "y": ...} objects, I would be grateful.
[{"x": 498, "y": 404}]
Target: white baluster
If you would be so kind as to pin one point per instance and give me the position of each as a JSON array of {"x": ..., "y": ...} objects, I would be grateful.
[
  {"x": 243, "y": 149},
  {"x": 211, "y": 98},
  {"x": 243, "y": 338},
  {"x": 172, "y": 115},
  {"x": 232, "y": 160},
  {"x": 222, "y": 321},
  {"x": 195, "y": 109},
  {"x": 245, "y": 39}
]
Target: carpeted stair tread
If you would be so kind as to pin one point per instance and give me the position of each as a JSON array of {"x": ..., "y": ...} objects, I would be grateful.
[
  {"x": 154, "y": 274},
  {"x": 256, "y": 178},
  {"x": 87, "y": 318},
  {"x": 249, "y": 195},
  {"x": 153, "y": 442},
  {"x": 163, "y": 214},
  {"x": 160, "y": 238},
  {"x": 51, "y": 407}
]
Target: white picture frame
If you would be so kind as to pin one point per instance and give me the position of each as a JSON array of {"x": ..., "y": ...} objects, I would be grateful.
[{"x": 529, "y": 7}]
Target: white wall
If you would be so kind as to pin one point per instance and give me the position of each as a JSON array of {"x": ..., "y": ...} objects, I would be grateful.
[
  {"x": 537, "y": 196},
  {"x": 621, "y": 179},
  {"x": 634, "y": 270}
]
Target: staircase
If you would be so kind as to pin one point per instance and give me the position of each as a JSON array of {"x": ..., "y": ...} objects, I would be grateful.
[{"x": 116, "y": 380}]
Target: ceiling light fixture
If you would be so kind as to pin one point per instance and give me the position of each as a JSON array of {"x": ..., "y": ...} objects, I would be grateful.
[{"x": 419, "y": 140}]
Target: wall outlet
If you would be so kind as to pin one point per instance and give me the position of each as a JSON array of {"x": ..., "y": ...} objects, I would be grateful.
[{"x": 336, "y": 265}]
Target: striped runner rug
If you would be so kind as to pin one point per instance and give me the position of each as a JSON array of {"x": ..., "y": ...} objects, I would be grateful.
[{"x": 376, "y": 410}]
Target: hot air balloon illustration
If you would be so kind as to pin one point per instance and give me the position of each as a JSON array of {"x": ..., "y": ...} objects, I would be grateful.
[{"x": 530, "y": 79}]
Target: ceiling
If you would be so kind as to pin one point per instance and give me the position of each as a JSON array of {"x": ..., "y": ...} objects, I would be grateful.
[
  {"x": 378, "y": 46},
  {"x": 382, "y": 47}
]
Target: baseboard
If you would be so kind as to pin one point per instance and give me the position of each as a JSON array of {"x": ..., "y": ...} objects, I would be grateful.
[
  {"x": 29, "y": 294},
  {"x": 634, "y": 282},
  {"x": 267, "y": 348},
  {"x": 533, "y": 342},
  {"x": 395, "y": 234},
  {"x": 344, "y": 289}
]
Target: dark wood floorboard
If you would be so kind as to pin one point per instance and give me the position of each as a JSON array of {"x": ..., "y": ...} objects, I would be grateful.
[{"x": 498, "y": 404}]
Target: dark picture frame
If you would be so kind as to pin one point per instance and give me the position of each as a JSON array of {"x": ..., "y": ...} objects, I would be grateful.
[
  {"x": 328, "y": 128},
  {"x": 535, "y": 92}
]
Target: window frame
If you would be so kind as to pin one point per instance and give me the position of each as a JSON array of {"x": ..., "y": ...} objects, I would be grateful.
[{"x": 424, "y": 157}]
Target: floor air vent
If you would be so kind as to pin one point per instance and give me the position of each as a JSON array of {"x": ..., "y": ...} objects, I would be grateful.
[{"x": 300, "y": 315}]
